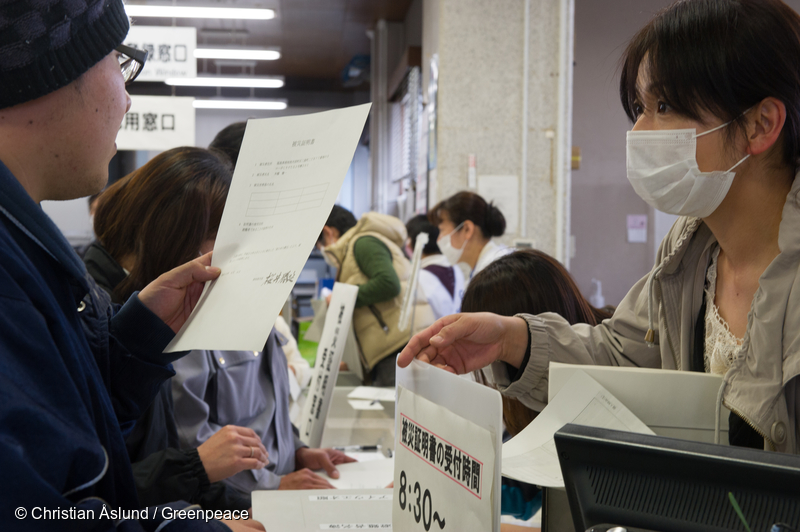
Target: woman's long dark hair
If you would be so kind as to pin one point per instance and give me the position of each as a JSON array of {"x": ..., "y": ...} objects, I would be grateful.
[
  {"x": 528, "y": 282},
  {"x": 160, "y": 214}
]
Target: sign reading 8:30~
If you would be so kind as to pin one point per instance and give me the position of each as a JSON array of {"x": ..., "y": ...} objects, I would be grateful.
[{"x": 444, "y": 469}]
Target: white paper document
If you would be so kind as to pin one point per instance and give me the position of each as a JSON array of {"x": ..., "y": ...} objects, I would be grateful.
[
  {"x": 692, "y": 397},
  {"x": 373, "y": 474},
  {"x": 365, "y": 456},
  {"x": 371, "y": 393},
  {"x": 365, "y": 404},
  {"x": 531, "y": 455},
  {"x": 314, "y": 510},
  {"x": 287, "y": 177}
]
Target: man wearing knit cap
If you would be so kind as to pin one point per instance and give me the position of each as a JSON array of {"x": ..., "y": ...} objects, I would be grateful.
[{"x": 67, "y": 395}]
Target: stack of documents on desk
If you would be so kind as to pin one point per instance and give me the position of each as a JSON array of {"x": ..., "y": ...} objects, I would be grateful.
[
  {"x": 315, "y": 510},
  {"x": 531, "y": 455}
]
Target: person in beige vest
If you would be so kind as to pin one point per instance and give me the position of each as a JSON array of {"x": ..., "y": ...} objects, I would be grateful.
[{"x": 368, "y": 253}]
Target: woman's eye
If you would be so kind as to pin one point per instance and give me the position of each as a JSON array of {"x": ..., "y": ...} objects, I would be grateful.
[
  {"x": 663, "y": 107},
  {"x": 637, "y": 110}
]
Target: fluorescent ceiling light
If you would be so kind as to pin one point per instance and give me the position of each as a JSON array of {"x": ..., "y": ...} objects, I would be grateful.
[
  {"x": 268, "y": 105},
  {"x": 225, "y": 53},
  {"x": 135, "y": 10},
  {"x": 247, "y": 82}
]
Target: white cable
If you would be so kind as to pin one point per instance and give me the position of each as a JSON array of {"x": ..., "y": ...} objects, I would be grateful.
[{"x": 719, "y": 406}]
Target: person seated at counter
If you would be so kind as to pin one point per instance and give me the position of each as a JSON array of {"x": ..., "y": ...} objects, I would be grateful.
[
  {"x": 368, "y": 253},
  {"x": 530, "y": 282},
  {"x": 177, "y": 201},
  {"x": 229, "y": 141},
  {"x": 716, "y": 141},
  {"x": 467, "y": 223},
  {"x": 182, "y": 189},
  {"x": 442, "y": 283}
]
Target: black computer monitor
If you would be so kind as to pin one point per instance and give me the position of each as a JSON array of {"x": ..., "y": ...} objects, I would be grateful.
[{"x": 654, "y": 483}]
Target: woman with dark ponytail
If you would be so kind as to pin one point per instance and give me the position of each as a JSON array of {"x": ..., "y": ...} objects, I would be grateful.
[{"x": 467, "y": 223}]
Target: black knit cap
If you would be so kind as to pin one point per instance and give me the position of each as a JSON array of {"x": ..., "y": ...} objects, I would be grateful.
[{"x": 47, "y": 44}]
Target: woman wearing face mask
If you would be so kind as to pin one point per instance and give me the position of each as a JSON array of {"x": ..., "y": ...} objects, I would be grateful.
[
  {"x": 441, "y": 283},
  {"x": 713, "y": 89},
  {"x": 467, "y": 224}
]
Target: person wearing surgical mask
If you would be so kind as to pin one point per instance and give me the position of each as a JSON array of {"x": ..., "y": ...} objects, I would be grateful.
[
  {"x": 467, "y": 223},
  {"x": 442, "y": 283},
  {"x": 713, "y": 90}
]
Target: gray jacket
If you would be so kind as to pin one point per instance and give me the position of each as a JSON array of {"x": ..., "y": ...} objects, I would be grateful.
[
  {"x": 760, "y": 387},
  {"x": 212, "y": 389}
]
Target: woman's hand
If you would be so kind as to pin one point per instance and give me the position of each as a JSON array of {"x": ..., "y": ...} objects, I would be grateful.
[
  {"x": 232, "y": 449},
  {"x": 469, "y": 341},
  {"x": 316, "y": 459},
  {"x": 173, "y": 295}
]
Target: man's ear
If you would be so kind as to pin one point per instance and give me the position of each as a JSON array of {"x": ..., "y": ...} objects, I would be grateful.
[{"x": 765, "y": 124}]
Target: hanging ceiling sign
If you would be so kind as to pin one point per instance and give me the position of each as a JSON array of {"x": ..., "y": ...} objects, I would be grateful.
[
  {"x": 157, "y": 123},
  {"x": 171, "y": 51}
]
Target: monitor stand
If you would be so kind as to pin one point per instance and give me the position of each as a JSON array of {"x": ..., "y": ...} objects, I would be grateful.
[{"x": 556, "y": 516}]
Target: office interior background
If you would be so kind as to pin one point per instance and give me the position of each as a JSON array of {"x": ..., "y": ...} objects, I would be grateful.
[{"x": 515, "y": 99}]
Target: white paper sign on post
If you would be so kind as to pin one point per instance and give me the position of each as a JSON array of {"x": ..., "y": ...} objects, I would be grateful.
[
  {"x": 447, "y": 452},
  {"x": 351, "y": 356},
  {"x": 410, "y": 297},
  {"x": 157, "y": 123},
  {"x": 288, "y": 175},
  {"x": 170, "y": 51},
  {"x": 326, "y": 368}
]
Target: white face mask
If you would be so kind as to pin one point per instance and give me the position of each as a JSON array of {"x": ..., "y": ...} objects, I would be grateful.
[
  {"x": 453, "y": 255},
  {"x": 662, "y": 167}
]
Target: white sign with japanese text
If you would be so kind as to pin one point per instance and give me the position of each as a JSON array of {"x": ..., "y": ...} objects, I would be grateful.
[
  {"x": 446, "y": 474},
  {"x": 170, "y": 48},
  {"x": 157, "y": 123},
  {"x": 326, "y": 367}
]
